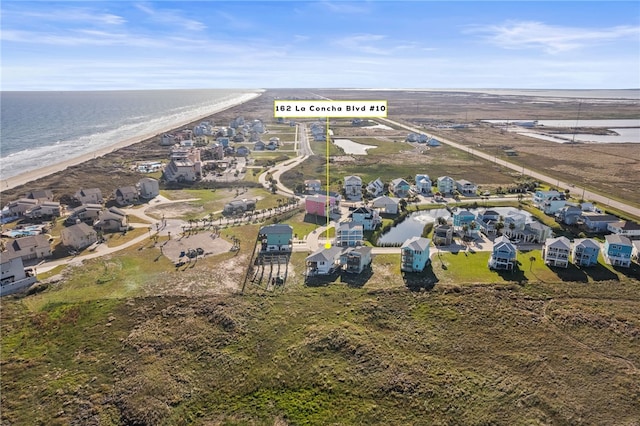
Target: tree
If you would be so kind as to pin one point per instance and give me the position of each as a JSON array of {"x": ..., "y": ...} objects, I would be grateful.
[
  {"x": 441, "y": 220},
  {"x": 403, "y": 204},
  {"x": 531, "y": 260},
  {"x": 473, "y": 225},
  {"x": 499, "y": 227}
]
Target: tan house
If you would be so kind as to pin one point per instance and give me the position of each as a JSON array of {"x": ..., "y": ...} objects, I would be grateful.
[
  {"x": 19, "y": 207},
  {"x": 27, "y": 248},
  {"x": 148, "y": 188},
  {"x": 46, "y": 209},
  {"x": 126, "y": 195},
  {"x": 89, "y": 196},
  {"x": 112, "y": 220},
  {"x": 79, "y": 236}
]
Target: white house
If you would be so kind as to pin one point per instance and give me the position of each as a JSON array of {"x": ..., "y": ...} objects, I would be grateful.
[
  {"x": 323, "y": 261},
  {"x": 539, "y": 197},
  {"x": 353, "y": 188},
  {"x": 20, "y": 206},
  {"x": 423, "y": 184},
  {"x": 46, "y": 209},
  {"x": 414, "y": 254},
  {"x": 466, "y": 188},
  {"x": 556, "y": 251},
  {"x": 349, "y": 234},
  {"x": 312, "y": 186},
  {"x": 387, "y": 205},
  {"x": 367, "y": 217},
  {"x": 112, "y": 220},
  {"x": 13, "y": 276},
  {"x": 375, "y": 188},
  {"x": 625, "y": 227}
]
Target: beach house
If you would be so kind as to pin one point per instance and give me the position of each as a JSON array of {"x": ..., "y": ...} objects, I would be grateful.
[
  {"x": 126, "y": 195},
  {"x": 40, "y": 195},
  {"x": 442, "y": 235},
  {"x": 627, "y": 228},
  {"x": 355, "y": 259},
  {"x": 466, "y": 188},
  {"x": 20, "y": 206},
  {"x": 148, "y": 188},
  {"x": 555, "y": 251},
  {"x": 597, "y": 222},
  {"x": 349, "y": 234},
  {"x": 27, "y": 248},
  {"x": 386, "y": 205},
  {"x": 568, "y": 214},
  {"x": 112, "y": 220},
  {"x": 503, "y": 256},
  {"x": 87, "y": 213},
  {"x": 423, "y": 184},
  {"x": 312, "y": 186},
  {"x": 540, "y": 197},
  {"x": 399, "y": 187},
  {"x": 318, "y": 205},
  {"x": 463, "y": 217},
  {"x": 585, "y": 252},
  {"x": 235, "y": 207},
  {"x": 44, "y": 210},
  {"x": 367, "y": 217},
  {"x": 13, "y": 276},
  {"x": 617, "y": 250},
  {"x": 89, "y": 196},
  {"x": 275, "y": 238},
  {"x": 78, "y": 236},
  {"x": 446, "y": 185},
  {"x": 353, "y": 188},
  {"x": 414, "y": 254},
  {"x": 375, "y": 188},
  {"x": 323, "y": 261}
]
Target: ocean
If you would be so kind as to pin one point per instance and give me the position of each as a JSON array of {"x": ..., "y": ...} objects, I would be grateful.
[{"x": 39, "y": 129}]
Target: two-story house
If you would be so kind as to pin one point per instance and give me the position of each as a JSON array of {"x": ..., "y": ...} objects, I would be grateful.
[
  {"x": 617, "y": 250},
  {"x": 355, "y": 259},
  {"x": 462, "y": 218},
  {"x": 375, "y": 188},
  {"x": 386, "y": 205},
  {"x": 556, "y": 251},
  {"x": 323, "y": 261},
  {"x": 275, "y": 238},
  {"x": 540, "y": 197},
  {"x": 467, "y": 188},
  {"x": 79, "y": 236},
  {"x": 399, "y": 187},
  {"x": 89, "y": 196}
]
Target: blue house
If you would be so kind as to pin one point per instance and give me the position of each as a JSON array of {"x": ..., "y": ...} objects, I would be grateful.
[
  {"x": 349, "y": 234},
  {"x": 585, "y": 252},
  {"x": 617, "y": 250},
  {"x": 400, "y": 187},
  {"x": 503, "y": 255},
  {"x": 414, "y": 254},
  {"x": 463, "y": 217},
  {"x": 275, "y": 238}
]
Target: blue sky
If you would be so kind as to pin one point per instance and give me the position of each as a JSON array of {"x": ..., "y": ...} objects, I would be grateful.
[{"x": 86, "y": 45}]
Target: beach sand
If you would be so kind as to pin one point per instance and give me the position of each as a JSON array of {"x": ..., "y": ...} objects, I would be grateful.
[{"x": 23, "y": 178}]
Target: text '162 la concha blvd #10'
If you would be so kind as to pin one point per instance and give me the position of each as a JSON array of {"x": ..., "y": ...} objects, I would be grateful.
[{"x": 329, "y": 109}]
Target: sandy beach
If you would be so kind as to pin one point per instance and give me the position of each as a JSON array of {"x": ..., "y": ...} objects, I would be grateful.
[{"x": 23, "y": 178}]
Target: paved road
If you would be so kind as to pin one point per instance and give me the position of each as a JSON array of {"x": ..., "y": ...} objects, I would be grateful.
[{"x": 578, "y": 192}]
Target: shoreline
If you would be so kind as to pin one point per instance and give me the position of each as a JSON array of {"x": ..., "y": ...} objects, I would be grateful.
[{"x": 32, "y": 175}]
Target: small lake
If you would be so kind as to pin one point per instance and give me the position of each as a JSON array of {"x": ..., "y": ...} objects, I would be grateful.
[
  {"x": 351, "y": 147},
  {"x": 413, "y": 225}
]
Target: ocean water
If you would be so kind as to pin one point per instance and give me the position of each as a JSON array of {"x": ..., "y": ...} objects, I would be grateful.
[{"x": 39, "y": 129}]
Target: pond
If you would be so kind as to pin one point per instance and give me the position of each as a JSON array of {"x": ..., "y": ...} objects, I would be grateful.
[
  {"x": 413, "y": 225},
  {"x": 351, "y": 147}
]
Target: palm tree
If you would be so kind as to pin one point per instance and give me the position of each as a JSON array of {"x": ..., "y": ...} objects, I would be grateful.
[
  {"x": 473, "y": 225},
  {"x": 499, "y": 226},
  {"x": 441, "y": 220}
]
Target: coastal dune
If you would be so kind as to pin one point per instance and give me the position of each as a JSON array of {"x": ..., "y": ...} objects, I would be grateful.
[{"x": 31, "y": 175}]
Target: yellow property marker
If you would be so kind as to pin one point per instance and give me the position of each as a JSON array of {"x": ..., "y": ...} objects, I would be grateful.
[{"x": 329, "y": 109}]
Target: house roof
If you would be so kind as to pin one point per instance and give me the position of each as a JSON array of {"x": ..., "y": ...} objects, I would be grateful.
[
  {"x": 384, "y": 200},
  {"x": 625, "y": 225},
  {"x": 416, "y": 243},
  {"x": 363, "y": 210},
  {"x": 463, "y": 182},
  {"x": 599, "y": 217},
  {"x": 464, "y": 213},
  {"x": 126, "y": 190},
  {"x": 441, "y": 178},
  {"x": 25, "y": 243},
  {"x": 362, "y": 250},
  {"x": 352, "y": 178},
  {"x": 586, "y": 242},
  {"x": 90, "y": 191},
  {"x": 399, "y": 181},
  {"x": 278, "y": 229},
  {"x": 618, "y": 239},
  {"x": 79, "y": 230},
  {"x": 537, "y": 226},
  {"x": 348, "y": 226},
  {"x": 43, "y": 193},
  {"x": 324, "y": 255},
  {"x": 559, "y": 242},
  {"x": 502, "y": 242}
]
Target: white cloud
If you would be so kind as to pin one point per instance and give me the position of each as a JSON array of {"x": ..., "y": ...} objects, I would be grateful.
[
  {"x": 363, "y": 43},
  {"x": 344, "y": 7},
  {"x": 172, "y": 17},
  {"x": 549, "y": 38},
  {"x": 83, "y": 15}
]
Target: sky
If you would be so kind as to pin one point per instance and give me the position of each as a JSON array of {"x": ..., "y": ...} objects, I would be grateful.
[{"x": 91, "y": 45}]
